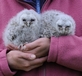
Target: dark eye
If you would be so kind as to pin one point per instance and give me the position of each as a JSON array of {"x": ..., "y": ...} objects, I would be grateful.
[
  {"x": 67, "y": 26},
  {"x": 24, "y": 19},
  {"x": 60, "y": 26},
  {"x": 32, "y": 20}
]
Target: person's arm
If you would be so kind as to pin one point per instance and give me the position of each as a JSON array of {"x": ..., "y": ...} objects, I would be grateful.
[
  {"x": 66, "y": 51},
  {"x": 4, "y": 67}
]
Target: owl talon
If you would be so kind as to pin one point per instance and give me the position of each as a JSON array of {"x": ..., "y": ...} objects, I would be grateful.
[
  {"x": 20, "y": 46},
  {"x": 25, "y": 43}
]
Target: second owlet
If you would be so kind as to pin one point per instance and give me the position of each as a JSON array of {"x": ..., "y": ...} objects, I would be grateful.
[
  {"x": 56, "y": 23},
  {"x": 22, "y": 28}
]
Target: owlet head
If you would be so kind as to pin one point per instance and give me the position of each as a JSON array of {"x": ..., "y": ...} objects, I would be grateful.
[{"x": 65, "y": 25}]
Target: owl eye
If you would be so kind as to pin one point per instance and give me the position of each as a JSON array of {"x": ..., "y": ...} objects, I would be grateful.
[
  {"x": 67, "y": 26},
  {"x": 24, "y": 19},
  {"x": 60, "y": 26},
  {"x": 32, "y": 20}
]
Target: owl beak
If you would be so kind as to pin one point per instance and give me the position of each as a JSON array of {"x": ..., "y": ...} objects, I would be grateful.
[{"x": 27, "y": 24}]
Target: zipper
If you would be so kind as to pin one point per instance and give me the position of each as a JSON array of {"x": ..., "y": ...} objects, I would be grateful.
[{"x": 38, "y": 6}]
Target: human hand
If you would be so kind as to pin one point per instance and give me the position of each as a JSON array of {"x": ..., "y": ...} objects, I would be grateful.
[
  {"x": 39, "y": 47},
  {"x": 12, "y": 47},
  {"x": 19, "y": 60}
]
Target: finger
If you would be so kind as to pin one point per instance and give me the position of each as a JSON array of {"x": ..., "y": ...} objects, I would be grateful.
[
  {"x": 37, "y": 51},
  {"x": 11, "y": 46},
  {"x": 32, "y": 67},
  {"x": 31, "y": 45},
  {"x": 27, "y": 56},
  {"x": 38, "y": 61}
]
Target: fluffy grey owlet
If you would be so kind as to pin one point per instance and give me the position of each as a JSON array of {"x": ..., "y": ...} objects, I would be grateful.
[
  {"x": 28, "y": 26},
  {"x": 22, "y": 28},
  {"x": 56, "y": 23}
]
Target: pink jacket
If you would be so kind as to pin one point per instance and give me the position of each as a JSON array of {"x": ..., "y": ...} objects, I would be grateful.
[{"x": 65, "y": 54}]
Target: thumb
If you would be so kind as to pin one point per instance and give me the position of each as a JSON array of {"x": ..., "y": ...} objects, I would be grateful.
[{"x": 28, "y": 56}]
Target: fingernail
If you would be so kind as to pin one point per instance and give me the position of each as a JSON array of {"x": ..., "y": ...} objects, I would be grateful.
[{"x": 32, "y": 57}]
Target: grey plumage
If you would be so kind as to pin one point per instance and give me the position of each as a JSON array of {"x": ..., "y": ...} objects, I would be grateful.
[
  {"x": 56, "y": 23},
  {"x": 28, "y": 26},
  {"x": 22, "y": 28}
]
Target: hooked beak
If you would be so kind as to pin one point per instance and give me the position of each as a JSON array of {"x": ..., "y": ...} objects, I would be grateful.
[{"x": 27, "y": 24}]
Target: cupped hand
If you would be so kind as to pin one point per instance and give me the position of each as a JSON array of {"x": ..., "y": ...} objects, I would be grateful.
[
  {"x": 39, "y": 47},
  {"x": 19, "y": 60}
]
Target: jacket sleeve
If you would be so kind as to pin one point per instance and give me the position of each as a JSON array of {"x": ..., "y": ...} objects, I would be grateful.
[
  {"x": 66, "y": 51},
  {"x": 4, "y": 68}
]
